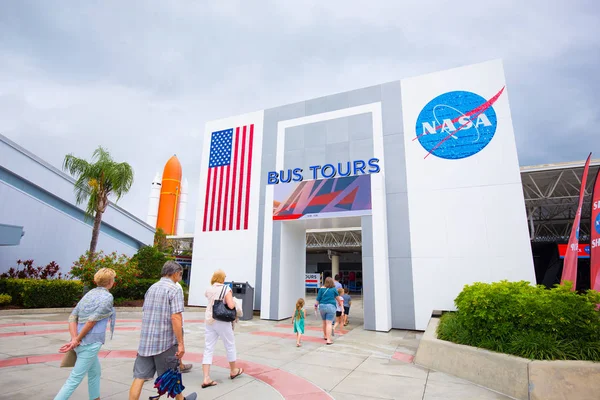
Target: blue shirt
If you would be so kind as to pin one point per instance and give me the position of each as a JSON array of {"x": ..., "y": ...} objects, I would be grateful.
[
  {"x": 327, "y": 296},
  {"x": 347, "y": 300},
  {"x": 337, "y": 285}
]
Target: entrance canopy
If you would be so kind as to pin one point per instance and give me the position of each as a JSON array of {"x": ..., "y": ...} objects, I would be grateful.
[{"x": 551, "y": 197}]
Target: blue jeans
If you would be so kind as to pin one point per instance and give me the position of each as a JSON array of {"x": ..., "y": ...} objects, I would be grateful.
[
  {"x": 327, "y": 312},
  {"x": 87, "y": 363}
]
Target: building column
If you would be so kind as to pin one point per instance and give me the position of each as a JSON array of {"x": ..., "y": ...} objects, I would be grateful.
[{"x": 335, "y": 266}]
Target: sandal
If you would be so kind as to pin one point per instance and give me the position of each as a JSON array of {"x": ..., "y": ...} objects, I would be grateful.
[
  {"x": 211, "y": 383},
  {"x": 240, "y": 371}
]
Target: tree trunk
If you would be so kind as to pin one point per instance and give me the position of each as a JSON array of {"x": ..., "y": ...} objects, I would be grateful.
[{"x": 95, "y": 233}]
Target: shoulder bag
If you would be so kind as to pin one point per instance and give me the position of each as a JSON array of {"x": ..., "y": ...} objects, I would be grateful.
[{"x": 220, "y": 310}]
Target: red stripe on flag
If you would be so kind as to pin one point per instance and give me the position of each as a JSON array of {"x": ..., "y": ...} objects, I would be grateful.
[
  {"x": 212, "y": 200},
  {"x": 239, "y": 208},
  {"x": 206, "y": 201},
  {"x": 220, "y": 194},
  {"x": 248, "y": 176},
  {"x": 235, "y": 159},
  {"x": 225, "y": 202}
]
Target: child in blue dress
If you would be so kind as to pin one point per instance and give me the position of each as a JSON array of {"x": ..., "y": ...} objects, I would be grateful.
[{"x": 298, "y": 321}]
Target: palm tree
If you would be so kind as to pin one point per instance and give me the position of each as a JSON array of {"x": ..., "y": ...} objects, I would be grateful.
[{"x": 95, "y": 182}]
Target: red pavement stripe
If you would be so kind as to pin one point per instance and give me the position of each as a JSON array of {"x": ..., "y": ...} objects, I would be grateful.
[
  {"x": 407, "y": 358},
  {"x": 305, "y": 338},
  {"x": 311, "y": 328},
  {"x": 291, "y": 387},
  {"x": 191, "y": 321},
  {"x": 52, "y": 331}
]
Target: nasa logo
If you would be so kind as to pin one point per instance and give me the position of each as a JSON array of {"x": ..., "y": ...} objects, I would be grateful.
[
  {"x": 597, "y": 224},
  {"x": 457, "y": 125}
]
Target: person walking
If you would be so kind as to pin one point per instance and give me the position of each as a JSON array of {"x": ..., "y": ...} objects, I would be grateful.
[
  {"x": 161, "y": 340},
  {"x": 298, "y": 321},
  {"x": 326, "y": 303},
  {"x": 183, "y": 367},
  {"x": 337, "y": 283},
  {"x": 347, "y": 304},
  {"x": 216, "y": 329},
  {"x": 87, "y": 325}
]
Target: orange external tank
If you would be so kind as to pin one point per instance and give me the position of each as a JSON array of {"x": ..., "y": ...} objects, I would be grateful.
[{"x": 170, "y": 191}]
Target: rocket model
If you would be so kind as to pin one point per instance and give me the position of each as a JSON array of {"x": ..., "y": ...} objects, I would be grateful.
[{"x": 168, "y": 200}]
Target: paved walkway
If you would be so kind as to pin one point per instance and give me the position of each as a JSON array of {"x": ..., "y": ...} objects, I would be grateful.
[{"x": 360, "y": 365}]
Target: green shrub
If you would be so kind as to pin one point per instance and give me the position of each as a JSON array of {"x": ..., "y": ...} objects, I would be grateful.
[
  {"x": 42, "y": 293},
  {"x": 527, "y": 321},
  {"x": 85, "y": 269},
  {"x": 119, "y": 301},
  {"x": 14, "y": 288},
  {"x": 5, "y": 299},
  {"x": 133, "y": 291},
  {"x": 149, "y": 261}
]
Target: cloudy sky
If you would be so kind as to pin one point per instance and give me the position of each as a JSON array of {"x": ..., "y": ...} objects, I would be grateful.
[{"x": 142, "y": 77}]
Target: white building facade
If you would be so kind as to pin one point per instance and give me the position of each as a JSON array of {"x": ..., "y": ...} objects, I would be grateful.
[{"x": 426, "y": 167}]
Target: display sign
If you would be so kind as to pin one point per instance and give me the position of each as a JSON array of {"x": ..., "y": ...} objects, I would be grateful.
[
  {"x": 583, "y": 251},
  {"x": 595, "y": 235},
  {"x": 327, "y": 171},
  {"x": 325, "y": 198},
  {"x": 313, "y": 281}
]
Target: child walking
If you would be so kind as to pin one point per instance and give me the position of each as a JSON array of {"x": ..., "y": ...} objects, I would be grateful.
[
  {"x": 298, "y": 321},
  {"x": 347, "y": 304},
  {"x": 339, "y": 312}
]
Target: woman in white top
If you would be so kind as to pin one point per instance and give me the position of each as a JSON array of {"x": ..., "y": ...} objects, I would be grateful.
[{"x": 216, "y": 329}]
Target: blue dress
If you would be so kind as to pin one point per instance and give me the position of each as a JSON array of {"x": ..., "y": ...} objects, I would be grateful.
[{"x": 299, "y": 321}]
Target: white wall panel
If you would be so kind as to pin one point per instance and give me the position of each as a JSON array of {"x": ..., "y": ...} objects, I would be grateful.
[
  {"x": 467, "y": 215},
  {"x": 233, "y": 251}
]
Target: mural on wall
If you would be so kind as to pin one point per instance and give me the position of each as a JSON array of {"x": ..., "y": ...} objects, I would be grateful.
[
  {"x": 324, "y": 198},
  {"x": 457, "y": 124}
]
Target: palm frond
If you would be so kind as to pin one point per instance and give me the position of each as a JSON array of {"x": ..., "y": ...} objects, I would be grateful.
[{"x": 99, "y": 179}]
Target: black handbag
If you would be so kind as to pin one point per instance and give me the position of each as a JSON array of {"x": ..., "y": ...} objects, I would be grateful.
[{"x": 220, "y": 310}]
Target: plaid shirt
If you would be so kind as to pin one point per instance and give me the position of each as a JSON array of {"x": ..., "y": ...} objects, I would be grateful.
[{"x": 163, "y": 299}]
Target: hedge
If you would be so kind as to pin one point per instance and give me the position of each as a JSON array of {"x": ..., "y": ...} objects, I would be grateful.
[
  {"x": 527, "y": 321},
  {"x": 5, "y": 299},
  {"x": 42, "y": 293},
  {"x": 133, "y": 291}
]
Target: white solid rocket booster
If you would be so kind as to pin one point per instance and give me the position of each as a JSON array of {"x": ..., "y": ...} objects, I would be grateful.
[
  {"x": 153, "y": 201},
  {"x": 181, "y": 210}
]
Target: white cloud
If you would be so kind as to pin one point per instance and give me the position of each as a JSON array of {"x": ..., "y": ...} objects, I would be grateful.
[{"x": 142, "y": 77}]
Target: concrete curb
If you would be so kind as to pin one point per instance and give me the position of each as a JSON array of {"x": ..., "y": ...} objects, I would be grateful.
[
  {"x": 516, "y": 377},
  {"x": 32, "y": 311}
]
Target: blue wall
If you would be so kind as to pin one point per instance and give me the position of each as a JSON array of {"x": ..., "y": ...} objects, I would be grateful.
[{"x": 40, "y": 198}]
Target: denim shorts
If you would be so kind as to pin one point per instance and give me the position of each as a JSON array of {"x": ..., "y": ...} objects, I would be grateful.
[{"x": 327, "y": 311}]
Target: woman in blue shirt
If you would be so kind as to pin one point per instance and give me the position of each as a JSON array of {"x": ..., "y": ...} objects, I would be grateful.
[
  {"x": 327, "y": 306},
  {"x": 87, "y": 325}
]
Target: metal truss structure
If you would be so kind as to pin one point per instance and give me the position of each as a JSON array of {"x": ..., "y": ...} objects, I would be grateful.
[
  {"x": 551, "y": 197},
  {"x": 340, "y": 239}
]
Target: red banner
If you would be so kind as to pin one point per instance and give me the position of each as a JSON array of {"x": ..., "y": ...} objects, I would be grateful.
[
  {"x": 569, "y": 272},
  {"x": 595, "y": 236}
]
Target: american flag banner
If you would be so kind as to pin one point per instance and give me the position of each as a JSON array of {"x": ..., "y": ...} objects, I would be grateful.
[{"x": 227, "y": 196}]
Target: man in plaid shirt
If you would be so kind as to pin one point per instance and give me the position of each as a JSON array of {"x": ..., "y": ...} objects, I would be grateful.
[{"x": 161, "y": 339}]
